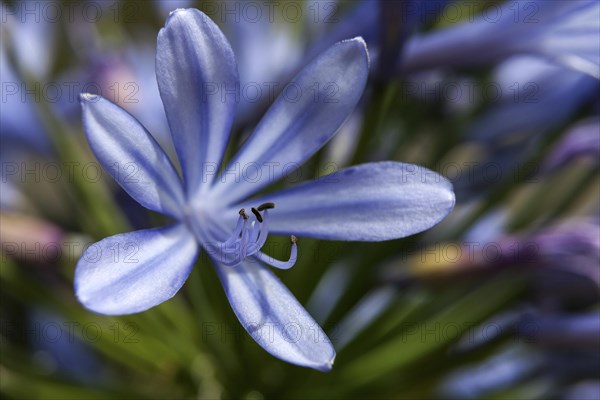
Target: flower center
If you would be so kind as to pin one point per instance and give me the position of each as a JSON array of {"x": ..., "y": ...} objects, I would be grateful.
[{"x": 249, "y": 236}]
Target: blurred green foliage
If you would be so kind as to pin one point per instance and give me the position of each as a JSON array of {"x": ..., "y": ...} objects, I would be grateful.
[{"x": 193, "y": 346}]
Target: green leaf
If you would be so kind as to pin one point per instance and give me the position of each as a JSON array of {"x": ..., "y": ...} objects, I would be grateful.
[{"x": 408, "y": 348}]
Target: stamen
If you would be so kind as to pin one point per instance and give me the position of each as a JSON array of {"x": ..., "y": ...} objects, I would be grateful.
[
  {"x": 281, "y": 264},
  {"x": 257, "y": 214},
  {"x": 233, "y": 249},
  {"x": 244, "y": 242},
  {"x": 264, "y": 231},
  {"x": 241, "y": 223},
  {"x": 249, "y": 237},
  {"x": 255, "y": 231},
  {"x": 259, "y": 235},
  {"x": 266, "y": 206}
]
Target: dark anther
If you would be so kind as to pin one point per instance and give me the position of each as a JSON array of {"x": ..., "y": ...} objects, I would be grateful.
[
  {"x": 293, "y": 239},
  {"x": 265, "y": 206},
  {"x": 257, "y": 214},
  {"x": 243, "y": 214}
]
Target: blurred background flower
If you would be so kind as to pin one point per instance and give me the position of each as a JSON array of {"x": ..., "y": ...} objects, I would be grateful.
[{"x": 501, "y": 300}]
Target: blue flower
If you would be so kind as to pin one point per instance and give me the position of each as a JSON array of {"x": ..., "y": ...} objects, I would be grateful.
[
  {"x": 563, "y": 31},
  {"x": 133, "y": 272},
  {"x": 536, "y": 96}
]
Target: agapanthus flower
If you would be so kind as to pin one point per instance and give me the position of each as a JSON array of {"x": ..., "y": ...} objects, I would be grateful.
[
  {"x": 535, "y": 97},
  {"x": 385, "y": 26},
  {"x": 215, "y": 209},
  {"x": 564, "y": 31}
]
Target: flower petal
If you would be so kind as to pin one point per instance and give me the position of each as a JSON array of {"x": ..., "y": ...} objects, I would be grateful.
[
  {"x": 199, "y": 85},
  {"x": 304, "y": 117},
  {"x": 574, "y": 40},
  {"x": 369, "y": 202},
  {"x": 363, "y": 314},
  {"x": 566, "y": 31},
  {"x": 557, "y": 93},
  {"x": 132, "y": 272},
  {"x": 131, "y": 155},
  {"x": 273, "y": 317}
]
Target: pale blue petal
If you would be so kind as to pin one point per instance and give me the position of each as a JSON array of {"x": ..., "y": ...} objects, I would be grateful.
[
  {"x": 537, "y": 96},
  {"x": 199, "y": 86},
  {"x": 329, "y": 291},
  {"x": 574, "y": 40},
  {"x": 273, "y": 316},
  {"x": 369, "y": 202},
  {"x": 303, "y": 118},
  {"x": 565, "y": 31},
  {"x": 131, "y": 156},
  {"x": 132, "y": 272},
  {"x": 362, "y": 315}
]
